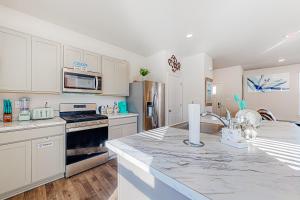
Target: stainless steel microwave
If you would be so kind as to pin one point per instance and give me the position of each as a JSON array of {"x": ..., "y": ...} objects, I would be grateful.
[{"x": 77, "y": 81}]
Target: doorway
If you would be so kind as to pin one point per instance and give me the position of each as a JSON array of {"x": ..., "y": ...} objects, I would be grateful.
[{"x": 175, "y": 92}]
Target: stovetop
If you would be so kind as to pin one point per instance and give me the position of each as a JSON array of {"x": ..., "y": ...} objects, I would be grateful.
[{"x": 83, "y": 117}]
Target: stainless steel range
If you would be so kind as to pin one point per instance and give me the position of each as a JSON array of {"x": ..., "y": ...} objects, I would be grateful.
[{"x": 86, "y": 133}]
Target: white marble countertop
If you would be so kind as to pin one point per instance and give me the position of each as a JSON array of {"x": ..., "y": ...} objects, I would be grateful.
[
  {"x": 122, "y": 115},
  {"x": 23, "y": 125},
  {"x": 268, "y": 169}
]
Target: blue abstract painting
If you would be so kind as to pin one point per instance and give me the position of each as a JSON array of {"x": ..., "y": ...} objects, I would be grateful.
[{"x": 269, "y": 83}]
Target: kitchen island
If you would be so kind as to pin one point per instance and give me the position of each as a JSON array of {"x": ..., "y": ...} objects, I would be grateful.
[{"x": 158, "y": 165}]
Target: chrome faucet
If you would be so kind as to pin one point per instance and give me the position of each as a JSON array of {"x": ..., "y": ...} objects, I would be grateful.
[{"x": 227, "y": 122}]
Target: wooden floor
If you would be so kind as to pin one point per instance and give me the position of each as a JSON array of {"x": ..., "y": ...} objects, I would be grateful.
[{"x": 97, "y": 183}]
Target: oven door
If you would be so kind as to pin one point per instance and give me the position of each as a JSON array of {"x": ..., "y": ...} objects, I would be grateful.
[
  {"x": 85, "y": 144},
  {"x": 81, "y": 82}
]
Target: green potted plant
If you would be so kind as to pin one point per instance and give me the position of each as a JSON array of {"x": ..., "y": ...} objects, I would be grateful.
[{"x": 144, "y": 72}]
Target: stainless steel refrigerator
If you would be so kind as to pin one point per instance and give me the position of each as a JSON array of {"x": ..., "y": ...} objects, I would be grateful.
[{"x": 147, "y": 98}]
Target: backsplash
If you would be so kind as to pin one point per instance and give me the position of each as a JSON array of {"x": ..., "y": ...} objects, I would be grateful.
[{"x": 39, "y": 100}]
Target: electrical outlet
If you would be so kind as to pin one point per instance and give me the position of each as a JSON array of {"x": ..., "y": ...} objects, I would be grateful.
[{"x": 17, "y": 104}]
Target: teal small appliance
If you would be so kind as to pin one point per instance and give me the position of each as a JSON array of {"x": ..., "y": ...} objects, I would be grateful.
[{"x": 122, "y": 107}]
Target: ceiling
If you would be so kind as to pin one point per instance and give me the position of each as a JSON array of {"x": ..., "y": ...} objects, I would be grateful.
[{"x": 251, "y": 33}]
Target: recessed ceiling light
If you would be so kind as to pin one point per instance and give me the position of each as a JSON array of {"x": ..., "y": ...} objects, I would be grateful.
[
  {"x": 281, "y": 60},
  {"x": 189, "y": 35}
]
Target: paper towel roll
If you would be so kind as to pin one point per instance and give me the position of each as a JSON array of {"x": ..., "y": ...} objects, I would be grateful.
[{"x": 194, "y": 123}]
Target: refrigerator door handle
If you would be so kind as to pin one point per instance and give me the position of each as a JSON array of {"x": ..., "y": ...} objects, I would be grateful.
[
  {"x": 154, "y": 112},
  {"x": 155, "y": 116}
]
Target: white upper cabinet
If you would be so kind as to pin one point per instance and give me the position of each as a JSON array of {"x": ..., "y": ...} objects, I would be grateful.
[
  {"x": 15, "y": 61},
  {"x": 122, "y": 78},
  {"x": 115, "y": 74},
  {"x": 72, "y": 54},
  {"x": 93, "y": 61},
  {"x": 46, "y": 65},
  {"x": 33, "y": 64},
  {"x": 108, "y": 75}
]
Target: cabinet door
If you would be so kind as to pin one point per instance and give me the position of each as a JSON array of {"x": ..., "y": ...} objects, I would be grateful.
[
  {"x": 92, "y": 60},
  {"x": 46, "y": 65},
  {"x": 47, "y": 157},
  {"x": 15, "y": 61},
  {"x": 72, "y": 54},
  {"x": 129, "y": 129},
  {"x": 15, "y": 166},
  {"x": 122, "y": 78},
  {"x": 108, "y": 75},
  {"x": 115, "y": 132},
  {"x": 100, "y": 64}
]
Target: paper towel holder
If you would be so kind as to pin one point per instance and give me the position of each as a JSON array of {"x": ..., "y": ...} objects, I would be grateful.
[{"x": 187, "y": 142}]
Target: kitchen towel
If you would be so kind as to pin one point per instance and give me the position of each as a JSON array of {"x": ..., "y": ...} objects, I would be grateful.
[{"x": 194, "y": 123}]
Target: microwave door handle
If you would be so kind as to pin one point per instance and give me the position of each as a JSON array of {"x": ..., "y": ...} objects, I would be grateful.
[{"x": 96, "y": 82}]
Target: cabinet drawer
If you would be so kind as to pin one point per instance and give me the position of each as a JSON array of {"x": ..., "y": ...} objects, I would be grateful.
[
  {"x": 120, "y": 121},
  {"x": 47, "y": 157},
  {"x": 16, "y": 136},
  {"x": 15, "y": 166}
]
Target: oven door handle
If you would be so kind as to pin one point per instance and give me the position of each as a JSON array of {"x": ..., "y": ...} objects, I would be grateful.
[{"x": 70, "y": 130}]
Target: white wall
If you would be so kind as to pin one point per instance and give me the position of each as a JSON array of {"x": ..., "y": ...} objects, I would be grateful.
[
  {"x": 228, "y": 82},
  {"x": 157, "y": 64},
  {"x": 194, "y": 70},
  {"x": 284, "y": 105},
  {"x": 25, "y": 23}
]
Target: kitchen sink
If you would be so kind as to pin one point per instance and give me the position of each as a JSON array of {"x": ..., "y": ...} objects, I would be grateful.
[{"x": 208, "y": 128}]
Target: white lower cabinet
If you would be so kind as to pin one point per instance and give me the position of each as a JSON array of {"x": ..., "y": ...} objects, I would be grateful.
[
  {"x": 15, "y": 166},
  {"x": 37, "y": 159},
  {"x": 47, "y": 159},
  {"x": 129, "y": 129},
  {"x": 115, "y": 132},
  {"x": 121, "y": 127}
]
